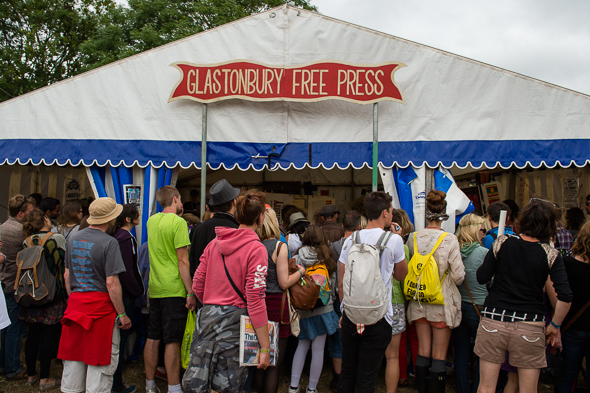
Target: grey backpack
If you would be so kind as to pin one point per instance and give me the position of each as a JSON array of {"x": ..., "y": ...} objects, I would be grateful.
[
  {"x": 34, "y": 285},
  {"x": 366, "y": 300}
]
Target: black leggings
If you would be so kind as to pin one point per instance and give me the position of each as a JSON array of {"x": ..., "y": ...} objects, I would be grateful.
[
  {"x": 41, "y": 340},
  {"x": 267, "y": 381}
]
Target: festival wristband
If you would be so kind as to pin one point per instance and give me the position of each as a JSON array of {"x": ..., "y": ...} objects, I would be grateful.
[
  {"x": 301, "y": 273},
  {"x": 121, "y": 316},
  {"x": 264, "y": 350},
  {"x": 553, "y": 323},
  {"x": 190, "y": 295}
]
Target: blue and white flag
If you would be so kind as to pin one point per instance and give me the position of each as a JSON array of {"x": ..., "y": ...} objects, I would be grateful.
[
  {"x": 458, "y": 204},
  {"x": 407, "y": 187},
  {"x": 108, "y": 181}
]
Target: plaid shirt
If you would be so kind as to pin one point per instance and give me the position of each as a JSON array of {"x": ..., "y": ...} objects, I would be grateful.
[{"x": 565, "y": 240}]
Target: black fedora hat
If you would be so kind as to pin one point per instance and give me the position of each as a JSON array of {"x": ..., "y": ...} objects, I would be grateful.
[{"x": 222, "y": 192}]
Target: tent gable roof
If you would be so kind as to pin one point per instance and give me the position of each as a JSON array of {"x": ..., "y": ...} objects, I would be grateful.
[{"x": 458, "y": 111}]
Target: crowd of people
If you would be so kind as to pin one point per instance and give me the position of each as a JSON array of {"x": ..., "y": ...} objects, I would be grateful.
[{"x": 504, "y": 300}]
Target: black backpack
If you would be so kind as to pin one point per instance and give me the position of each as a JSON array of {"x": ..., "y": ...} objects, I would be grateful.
[{"x": 34, "y": 285}]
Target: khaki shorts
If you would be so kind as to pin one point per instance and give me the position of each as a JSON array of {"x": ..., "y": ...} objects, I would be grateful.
[
  {"x": 524, "y": 341},
  {"x": 79, "y": 377}
]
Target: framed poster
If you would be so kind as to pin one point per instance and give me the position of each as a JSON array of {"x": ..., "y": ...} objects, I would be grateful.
[
  {"x": 492, "y": 192},
  {"x": 570, "y": 191},
  {"x": 72, "y": 190},
  {"x": 132, "y": 195}
]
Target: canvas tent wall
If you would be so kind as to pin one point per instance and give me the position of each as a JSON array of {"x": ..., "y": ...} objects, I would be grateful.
[{"x": 457, "y": 111}]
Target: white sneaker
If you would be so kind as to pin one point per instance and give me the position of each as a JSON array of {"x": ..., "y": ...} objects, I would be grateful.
[
  {"x": 293, "y": 390},
  {"x": 153, "y": 390},
  {"x": 311, "y": 391}
]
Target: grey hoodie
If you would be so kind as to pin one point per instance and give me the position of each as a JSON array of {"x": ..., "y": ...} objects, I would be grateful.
[{"x": 307, "y": 257}]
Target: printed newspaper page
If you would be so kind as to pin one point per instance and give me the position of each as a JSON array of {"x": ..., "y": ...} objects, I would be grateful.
[{"x": 249, "y": 354}]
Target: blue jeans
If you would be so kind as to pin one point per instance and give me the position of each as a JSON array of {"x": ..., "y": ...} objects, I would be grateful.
[
  {"x": 576, "y": 345},
  {"x": 464, "y": 341},
  {"x": 12, "y": 339}
]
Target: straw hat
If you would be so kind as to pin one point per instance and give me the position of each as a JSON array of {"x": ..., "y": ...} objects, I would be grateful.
[{"x": 103, "y": 210}]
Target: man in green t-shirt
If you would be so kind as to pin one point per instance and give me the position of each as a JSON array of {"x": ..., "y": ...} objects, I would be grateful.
[{"x": 170, "y": 288}]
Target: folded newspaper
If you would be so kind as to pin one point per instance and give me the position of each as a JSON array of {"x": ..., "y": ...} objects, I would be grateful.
[{"x": 249, "y": 355}]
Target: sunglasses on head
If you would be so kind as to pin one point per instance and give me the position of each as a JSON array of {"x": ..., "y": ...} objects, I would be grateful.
[
  {"x": 542, "y": 200},
  {"x": 22, "y": 204}
]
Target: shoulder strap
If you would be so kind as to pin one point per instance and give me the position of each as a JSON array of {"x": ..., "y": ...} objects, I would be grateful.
[
  {"x": 382, "y": 242},
  {"x": 278, "y": 250},
  {"x": 471, "y": 297},
  {"x": 29, "y": 241},
  {"x": 438, "y": 242},
  {"x": 578, "y": 314},
  {"x": 415, "y": 245},
  {"x": 232, "y": 281},
  {"x": 45, "y": 238},
  {"x": 356, "y": 238}
]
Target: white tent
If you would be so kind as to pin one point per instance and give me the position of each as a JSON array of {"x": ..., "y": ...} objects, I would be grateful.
[{"x": 456, "y": 110}]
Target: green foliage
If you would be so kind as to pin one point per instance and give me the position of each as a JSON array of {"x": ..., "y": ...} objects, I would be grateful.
[
  {"x": 40, "y": 39},
  {"x": 44, "y": 41}
]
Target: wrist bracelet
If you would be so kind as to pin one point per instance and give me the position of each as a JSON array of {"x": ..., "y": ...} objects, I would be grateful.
[
  {"x": 553, "y": 323},
  {"x": 121, "y": 316},
  {"x": 264, "y": 350},
  {"x": 190, "y": 294},
  {"x": 300, "y": 274}
]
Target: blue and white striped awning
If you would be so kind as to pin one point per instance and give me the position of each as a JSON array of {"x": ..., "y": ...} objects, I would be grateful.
[{"x": 457, "y": 112}]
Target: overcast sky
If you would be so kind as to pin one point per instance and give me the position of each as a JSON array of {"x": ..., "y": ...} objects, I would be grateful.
[{"x": 544, "y": 39}]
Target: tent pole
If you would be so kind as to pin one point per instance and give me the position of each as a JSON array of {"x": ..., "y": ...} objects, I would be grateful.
[
  {"x": 375, "y": 144},
  {"x": 204, "y": 161}
]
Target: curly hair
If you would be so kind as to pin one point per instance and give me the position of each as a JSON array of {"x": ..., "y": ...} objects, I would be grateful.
[
  {"x": 34, "y": 222},
  {"x": 582, "y": 244}
]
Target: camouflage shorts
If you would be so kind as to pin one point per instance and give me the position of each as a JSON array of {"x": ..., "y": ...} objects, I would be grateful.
[{"x": 214, "y": 359}]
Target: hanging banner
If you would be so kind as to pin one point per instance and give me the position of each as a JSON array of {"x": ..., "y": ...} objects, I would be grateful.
[{"x": 363, "y": 84}]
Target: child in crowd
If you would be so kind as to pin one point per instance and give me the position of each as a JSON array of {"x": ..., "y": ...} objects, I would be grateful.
[{"x": 322, "y": 320}]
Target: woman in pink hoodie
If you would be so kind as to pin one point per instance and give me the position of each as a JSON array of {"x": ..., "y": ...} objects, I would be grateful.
[{"x": 230, "y": 282}]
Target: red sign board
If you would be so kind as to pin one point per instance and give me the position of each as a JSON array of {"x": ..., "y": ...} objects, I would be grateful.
[{"x": 312, "y": 82}]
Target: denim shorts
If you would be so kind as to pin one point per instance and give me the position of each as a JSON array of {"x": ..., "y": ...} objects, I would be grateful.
[{"x": 524, "y": 341}]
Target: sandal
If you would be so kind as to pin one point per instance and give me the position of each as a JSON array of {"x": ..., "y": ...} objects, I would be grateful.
[
  {"x": 49, "y": 385},
  {"x": 32, "y": 382},
  {"x": 403, "y": 383}
]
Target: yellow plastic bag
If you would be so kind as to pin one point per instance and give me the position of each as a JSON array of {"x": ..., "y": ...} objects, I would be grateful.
[
  {"x": 422, "y": 282},
  {"x": 185, "y": 349}
]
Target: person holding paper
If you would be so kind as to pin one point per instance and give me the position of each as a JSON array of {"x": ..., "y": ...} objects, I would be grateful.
[
  {"x": 513, "y": 316},
  {"x": 230, "y": 282}
]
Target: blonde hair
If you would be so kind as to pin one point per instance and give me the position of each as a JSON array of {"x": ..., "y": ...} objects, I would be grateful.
[
  {"x": 401, "y": 217},
  {"x": 364, "y": 222},
  {"x": 468, "y": 229},
  {"x": 270, "y": 227}
]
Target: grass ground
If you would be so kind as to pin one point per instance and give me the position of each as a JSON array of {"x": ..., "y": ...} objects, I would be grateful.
[{"x": 134, "y": 375}]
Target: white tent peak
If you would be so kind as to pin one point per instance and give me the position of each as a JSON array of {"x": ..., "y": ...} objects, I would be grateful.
[{"x": 458, "y": 111}]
